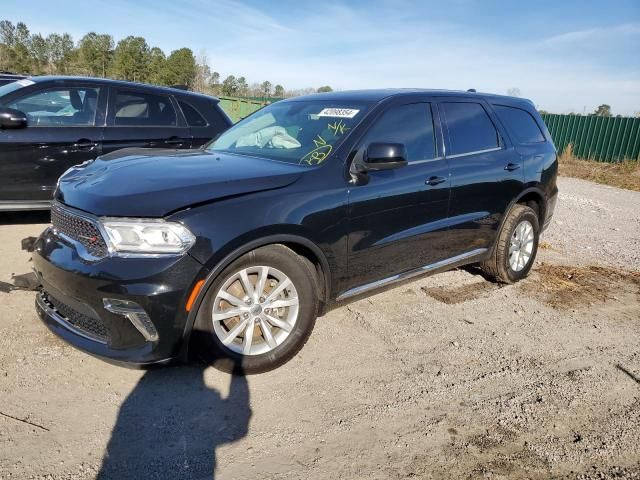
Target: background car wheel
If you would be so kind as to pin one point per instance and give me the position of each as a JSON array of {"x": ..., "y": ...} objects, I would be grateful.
[
  {"x": 259, "y": 312},
  {"x": 516, "y": 247}
]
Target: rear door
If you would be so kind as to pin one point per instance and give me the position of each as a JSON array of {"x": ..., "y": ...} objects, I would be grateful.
[
  {"x": 486, "y": 173},
  {"x": 139, "y": 118},
  {"x": 65, "y": 128},
  {"x": 398, "y": 218}
]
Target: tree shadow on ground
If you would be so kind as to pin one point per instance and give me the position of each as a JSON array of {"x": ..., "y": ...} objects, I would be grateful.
[{"x": 171, "y": 424}]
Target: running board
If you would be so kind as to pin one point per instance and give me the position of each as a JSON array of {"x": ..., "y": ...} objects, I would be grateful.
[{"x": 411, "y": 273}]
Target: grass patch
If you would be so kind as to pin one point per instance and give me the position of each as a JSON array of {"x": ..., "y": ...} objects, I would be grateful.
[{"x": 623, "y": 174}]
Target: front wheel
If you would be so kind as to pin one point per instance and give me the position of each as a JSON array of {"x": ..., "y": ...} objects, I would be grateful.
[
  {"x": 259, "y": 312},
  {"x": 516, "y": 247}
]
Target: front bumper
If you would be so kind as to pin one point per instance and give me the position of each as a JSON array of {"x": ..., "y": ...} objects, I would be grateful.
[{"x": 72, "y": 301}]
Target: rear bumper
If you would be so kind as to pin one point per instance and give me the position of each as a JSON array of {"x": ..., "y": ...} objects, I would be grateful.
[{"x": 72, "y": 301}]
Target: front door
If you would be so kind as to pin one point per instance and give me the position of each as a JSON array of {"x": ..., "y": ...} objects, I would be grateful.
[
  {"x": 398, "y": 217},
  {"x": 64, "y": 129},
  {"x": 141, "y": 119}
]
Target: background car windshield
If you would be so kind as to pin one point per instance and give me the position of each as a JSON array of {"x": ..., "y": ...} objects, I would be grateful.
[{"x": 303, "y": 132}]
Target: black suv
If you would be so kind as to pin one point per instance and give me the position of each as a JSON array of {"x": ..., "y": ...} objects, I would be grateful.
[
  {"x": 232, "y": 251},
  {"x": 48, "y": 124}
]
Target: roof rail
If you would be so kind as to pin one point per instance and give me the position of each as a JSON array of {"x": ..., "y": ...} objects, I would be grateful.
[
  {"x": 180, "y": 87},
  {"x": 472, "y": 90}
]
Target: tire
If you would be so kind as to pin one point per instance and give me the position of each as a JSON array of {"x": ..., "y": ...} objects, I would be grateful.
[
  {"x": 500, "y": 266},
  {"x": 278, "y": 333}
]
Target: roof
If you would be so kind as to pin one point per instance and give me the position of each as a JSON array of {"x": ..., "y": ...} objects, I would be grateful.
[
  {"x": 375, "y": 96},
  {"x": 124, "y": 83}
]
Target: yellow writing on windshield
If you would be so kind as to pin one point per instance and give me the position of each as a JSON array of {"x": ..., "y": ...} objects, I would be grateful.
[{"x": 338, "y": 127}]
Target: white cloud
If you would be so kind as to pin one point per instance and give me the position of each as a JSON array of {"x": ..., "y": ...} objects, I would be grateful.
[{"x": 349, "y": 49}]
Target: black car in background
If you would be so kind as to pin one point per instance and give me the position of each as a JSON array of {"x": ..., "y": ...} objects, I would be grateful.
[
  {"x": 48, "y": 124},
  {"x": 7, "y": 77},
  {"x": 233, "y": 250}
]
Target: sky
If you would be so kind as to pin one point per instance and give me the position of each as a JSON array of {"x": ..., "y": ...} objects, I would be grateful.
[{"x": 566, "y": 56}]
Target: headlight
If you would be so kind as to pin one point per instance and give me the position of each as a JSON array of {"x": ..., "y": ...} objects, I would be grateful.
[{"x": 141, "y": 236}]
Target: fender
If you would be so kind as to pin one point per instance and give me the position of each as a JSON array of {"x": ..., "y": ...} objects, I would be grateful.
[
  {"x": 521, "y": 195},
  {"x": 237, "y": 253}
]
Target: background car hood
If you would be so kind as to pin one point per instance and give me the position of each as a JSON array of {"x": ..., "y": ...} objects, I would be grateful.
[{"x": 154, "y": 183}]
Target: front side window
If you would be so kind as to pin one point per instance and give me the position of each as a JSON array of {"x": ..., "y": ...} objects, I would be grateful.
[
  {"x": 306, "y": 132},
  {"x": 520, "y": 123},
  {"x": 411, "y": 125},
  {"x": 59, "y": 107},
  {"x": 143, "y": 110},
  {"x": 470, "y": 128}
]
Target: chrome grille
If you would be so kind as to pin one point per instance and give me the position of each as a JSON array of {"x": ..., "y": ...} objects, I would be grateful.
[
  {"x": 79, "y": 229},
  {"x": 90, "y": 327}
]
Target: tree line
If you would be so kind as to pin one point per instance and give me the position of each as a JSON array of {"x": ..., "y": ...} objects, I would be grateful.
[{"x": 132, "y": 58}]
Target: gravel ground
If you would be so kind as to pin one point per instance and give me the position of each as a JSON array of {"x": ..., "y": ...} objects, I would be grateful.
[{"x": 444, "y": 377}]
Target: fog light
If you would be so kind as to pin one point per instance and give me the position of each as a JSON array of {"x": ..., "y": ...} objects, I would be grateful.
[{"x": 135, "y": 314}]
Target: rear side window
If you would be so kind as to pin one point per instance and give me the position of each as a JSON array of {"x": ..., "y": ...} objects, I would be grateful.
[
  {"x": 470, "y": 128},
  {"x": 520, "y": 123},
  {"x": 143, "y": 109},
  {"x": 194, "y": 119},
  {"x": 411, "y": 125}
]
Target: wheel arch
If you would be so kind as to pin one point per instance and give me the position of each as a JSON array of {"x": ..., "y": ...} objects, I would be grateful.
[
  {"x": 527, "y": 197},
  {"x": 300, "y": 245}
]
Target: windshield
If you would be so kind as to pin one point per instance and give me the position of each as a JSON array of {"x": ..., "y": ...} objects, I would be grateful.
[
  {"x": 13, "y": 86},
  {"x": 303, "y": 132}
]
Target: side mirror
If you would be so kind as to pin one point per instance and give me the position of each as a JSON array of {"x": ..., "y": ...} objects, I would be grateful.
[
  {"x": 384, "y": 156},
  {"x": 12, "y": 119}
]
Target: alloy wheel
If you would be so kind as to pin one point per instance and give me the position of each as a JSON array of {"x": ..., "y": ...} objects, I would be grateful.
[
  {"x": 255, "y": 310},
  {"x": 521, "y": 246}
]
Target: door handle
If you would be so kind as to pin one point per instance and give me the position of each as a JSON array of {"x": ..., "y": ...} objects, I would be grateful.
[
  {"x": 174, "y": 141},
  {"x": 435, "y": 180},
  {"x": 511, "y": 167},
  {"x": 84, "y": 144}
]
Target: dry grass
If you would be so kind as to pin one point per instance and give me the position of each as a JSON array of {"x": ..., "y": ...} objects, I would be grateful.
[
  {"x": 624, "y": 174},
  {"x": 572, "y": 287}
]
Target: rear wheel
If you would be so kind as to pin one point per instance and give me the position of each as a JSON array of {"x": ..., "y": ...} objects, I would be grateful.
[
  {"x": 516, "y": 247},
  {"x": 259, "y": 312}
]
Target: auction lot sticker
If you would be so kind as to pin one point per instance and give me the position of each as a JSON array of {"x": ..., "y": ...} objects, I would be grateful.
[{"x": 338, "y": 112}]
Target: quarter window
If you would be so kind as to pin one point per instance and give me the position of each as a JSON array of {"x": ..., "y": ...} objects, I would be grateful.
[
  {"x": 60, "y": 107},
  {"x": 194, "y": 119},
  {"x": 411, "y": 125},
  {"x": 520, "y": 123},
  {"x": 143, "y": 109},
  {"x": 470, "y": 128}
]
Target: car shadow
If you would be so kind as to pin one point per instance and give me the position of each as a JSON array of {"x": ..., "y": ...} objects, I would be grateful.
[
  {"x": 171, "y": 424},
  {"x": 25, "y": 218}
]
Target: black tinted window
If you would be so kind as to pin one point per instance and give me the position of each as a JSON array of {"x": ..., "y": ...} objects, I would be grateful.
[
  {"x": 470, "y": 128},
  {"x": 411, "y": 125},
  {"x": 143, "y": 109},
  {"x": 194, "y": 119},
  {"x": 519, "y": 123}
]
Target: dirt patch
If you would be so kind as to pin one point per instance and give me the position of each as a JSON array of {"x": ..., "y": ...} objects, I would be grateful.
[
  {"x": 565, "y": 287},
  {"x": 462, "y": 293}
]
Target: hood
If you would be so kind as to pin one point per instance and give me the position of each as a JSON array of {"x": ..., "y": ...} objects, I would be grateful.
[{"x": 154, "y": 183}]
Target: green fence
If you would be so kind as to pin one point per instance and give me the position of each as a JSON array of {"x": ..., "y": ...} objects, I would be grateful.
[
  {"x": 607, "y": 139},
  {"x": 238, "y": 108}
]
